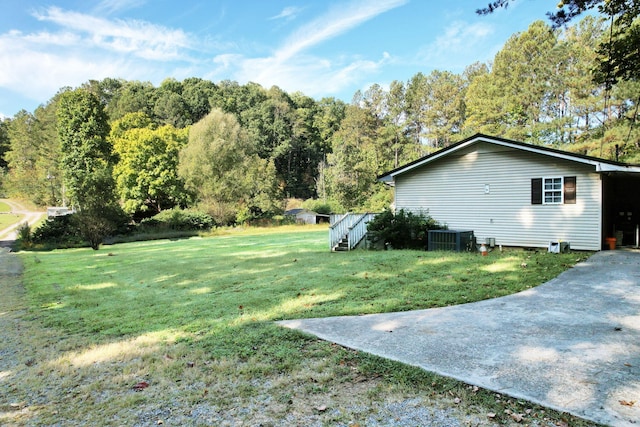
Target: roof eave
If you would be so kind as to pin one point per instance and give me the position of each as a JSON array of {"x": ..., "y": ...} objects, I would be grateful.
[{"x": 599, "y": 165}]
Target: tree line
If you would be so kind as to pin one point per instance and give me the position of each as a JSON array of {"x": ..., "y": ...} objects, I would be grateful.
[{"x": 238, "y": 152}]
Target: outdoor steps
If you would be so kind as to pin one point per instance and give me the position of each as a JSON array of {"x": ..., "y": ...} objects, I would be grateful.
[{"x": 343, "y": 245}]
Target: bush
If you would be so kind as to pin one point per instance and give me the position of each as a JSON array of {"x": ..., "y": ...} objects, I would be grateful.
[
  {"x": 323, "y": 206},
  {"x": 96, "y": 223},
  {"x": 402, "y": 230},
  {"x": 56, "y": 231},
  {"x": 179, "y": 219},
  {"x": 25, "y": 237},
  {"x": 90, "y": 225}
]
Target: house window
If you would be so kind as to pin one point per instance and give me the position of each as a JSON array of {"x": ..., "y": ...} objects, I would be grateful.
[{"x": 553, "y": 191}]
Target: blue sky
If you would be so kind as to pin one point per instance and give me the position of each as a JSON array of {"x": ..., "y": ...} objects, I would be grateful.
[{"x": 319, "y": 47}]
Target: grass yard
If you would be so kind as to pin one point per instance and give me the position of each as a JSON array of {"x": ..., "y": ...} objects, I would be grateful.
[
  {"x": 6, "y": 217},
  {"x": 181, "y": 332}
]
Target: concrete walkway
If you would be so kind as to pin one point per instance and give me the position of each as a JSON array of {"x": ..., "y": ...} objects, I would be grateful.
[{"x": 571, "y": 344}]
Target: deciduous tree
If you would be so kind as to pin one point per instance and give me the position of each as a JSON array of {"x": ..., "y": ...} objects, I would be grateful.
[
  {"x": 221, "y": 166},
  {"x": 147, "y": 170}
]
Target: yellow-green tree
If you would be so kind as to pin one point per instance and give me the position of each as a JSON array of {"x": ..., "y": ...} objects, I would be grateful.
[{"x": 147, "y": 170}]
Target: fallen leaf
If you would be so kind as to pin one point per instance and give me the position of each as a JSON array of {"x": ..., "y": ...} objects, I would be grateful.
[
  {"x": 516, "y": 417},
  {"x": 141, "y": 386},
  {"x": 627, "y": 402}
]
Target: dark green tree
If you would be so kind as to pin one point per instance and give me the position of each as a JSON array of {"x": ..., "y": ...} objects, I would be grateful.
[
  {"x": 618, "y": 54},
  {"x": 87, "y": 164},
  {"x": 132, "y": 97},
  {"x": 34, "y": 155},
  {"x": 4, "y": 142}
]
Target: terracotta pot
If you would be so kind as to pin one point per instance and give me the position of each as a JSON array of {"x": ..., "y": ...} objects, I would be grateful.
[{"x": 611, "y": 241}]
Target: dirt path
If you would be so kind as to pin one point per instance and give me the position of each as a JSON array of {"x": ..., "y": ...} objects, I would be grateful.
[
  {"x": 17, "y": 338},
  {"x": 8, "y": 235}
]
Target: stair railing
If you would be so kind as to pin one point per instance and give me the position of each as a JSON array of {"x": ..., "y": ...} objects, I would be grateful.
[
  {"x": 352, "y": 226},
  {"x": 338, "y": 230},
  {"x": 358, "y": 229}
]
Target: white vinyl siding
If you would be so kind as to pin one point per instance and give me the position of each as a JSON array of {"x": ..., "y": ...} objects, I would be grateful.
[{"x": 487, "y": 189}]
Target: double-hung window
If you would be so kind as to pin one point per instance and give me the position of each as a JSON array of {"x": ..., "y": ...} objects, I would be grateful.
[{"x": 553, "y": 190}]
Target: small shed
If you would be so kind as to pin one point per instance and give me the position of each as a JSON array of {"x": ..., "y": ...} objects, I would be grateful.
[
  {"x": 59, "y": 211},
  {"x": 305, "y": 216}
]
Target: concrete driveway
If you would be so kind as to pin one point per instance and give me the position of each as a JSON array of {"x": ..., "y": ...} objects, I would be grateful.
[{"x": 571, "y": 344}]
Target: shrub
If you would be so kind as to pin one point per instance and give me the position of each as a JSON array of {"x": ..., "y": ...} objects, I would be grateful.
[
  {"x": 402, "y": 230},
  {"x": 89, "y": 225},
  {"x": 323, "y": 206},
  {"x": 179, "y": 219},
  {"x": 96, "y": 223},
  {"x": 25, "y": 237},
  {"x": 56, "y": 231}
]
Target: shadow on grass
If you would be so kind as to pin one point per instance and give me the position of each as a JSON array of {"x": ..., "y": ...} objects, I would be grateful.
[{"x": 219, "y": 296}]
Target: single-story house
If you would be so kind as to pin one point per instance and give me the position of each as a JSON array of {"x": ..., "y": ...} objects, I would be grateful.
[
  {"x": 521, "y": 194},
  {"x": 305, "y": 216}
]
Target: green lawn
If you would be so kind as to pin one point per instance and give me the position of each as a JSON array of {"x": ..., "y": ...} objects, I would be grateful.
[
  {"x": 8, "y": 219},
  {"x": 215, "y": 284},
  {"x": 212, "y": 301}
]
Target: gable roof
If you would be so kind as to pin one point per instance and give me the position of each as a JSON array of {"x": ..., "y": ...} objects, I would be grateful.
[{"x": 600, "y": 165}]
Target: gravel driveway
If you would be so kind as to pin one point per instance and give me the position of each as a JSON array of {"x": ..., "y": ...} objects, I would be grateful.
[{"x": 9, "y": 234}]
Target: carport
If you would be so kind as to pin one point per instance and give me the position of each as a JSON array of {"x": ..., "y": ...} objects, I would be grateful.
[{"x": 621, "y": 207}]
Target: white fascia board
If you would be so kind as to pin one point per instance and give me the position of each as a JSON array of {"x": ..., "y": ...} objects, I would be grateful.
[{"x": 607, "y": 167}]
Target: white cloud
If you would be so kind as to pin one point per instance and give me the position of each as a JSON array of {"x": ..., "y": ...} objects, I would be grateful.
[
  {"x": 136, "y": 37},
  {"x": 79, "y": 47},
  {"x": 288, "y": 13},
  {"x": 458, "y": 42},
  {"x": 290, "y": 68},
  {"x": 332, "y": 24},
  {"x": 107, "y": 7},
  {"x": 37, "y": 64}
]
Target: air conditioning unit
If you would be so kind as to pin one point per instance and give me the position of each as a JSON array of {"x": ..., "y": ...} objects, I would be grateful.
[{"x": 450, "y": 240}]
